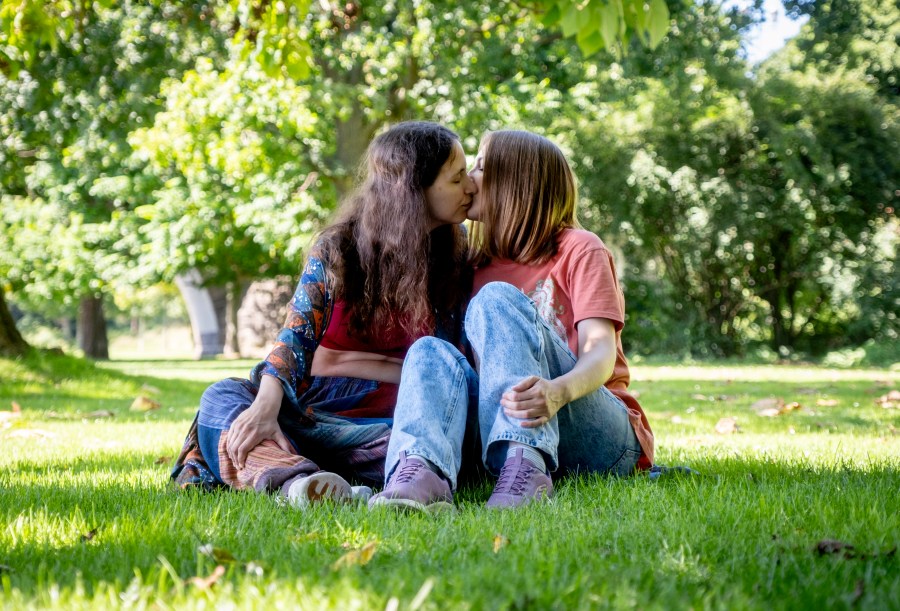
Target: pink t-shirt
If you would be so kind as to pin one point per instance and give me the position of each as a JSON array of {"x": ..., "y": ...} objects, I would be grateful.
[{"x": 578, "y": 283}]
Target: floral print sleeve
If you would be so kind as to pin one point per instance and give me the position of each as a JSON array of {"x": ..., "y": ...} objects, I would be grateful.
[{"x": 291, "y": 358}]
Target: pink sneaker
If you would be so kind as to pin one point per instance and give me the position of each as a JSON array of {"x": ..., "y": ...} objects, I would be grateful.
[
  {"x": 414, "y": 486},
  {"x": 520, "y": 483}
]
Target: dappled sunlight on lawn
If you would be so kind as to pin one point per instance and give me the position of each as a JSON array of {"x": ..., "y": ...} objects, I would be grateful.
[
  {"x": 91, "y": 516},
  {"x": 210, "y": 370},
  {"x": 754, "y": 373}
]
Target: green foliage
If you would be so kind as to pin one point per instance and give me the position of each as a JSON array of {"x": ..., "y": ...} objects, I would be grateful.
[
  {"x": 152, "y": 138},
  {"x": 67, "y": 172},
  {"x": 608, "y": 24},
  {"x": 231, "y": 161},
  {"x": 853, "y": 35}
]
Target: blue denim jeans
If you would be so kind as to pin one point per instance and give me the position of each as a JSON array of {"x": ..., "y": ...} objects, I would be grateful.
[
  {"x": 440, "y": 392},
  {"x": 326, "y": 443}
]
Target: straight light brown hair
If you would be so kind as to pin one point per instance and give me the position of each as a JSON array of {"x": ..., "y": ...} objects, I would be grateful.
[{"x": 528, "y": 195}]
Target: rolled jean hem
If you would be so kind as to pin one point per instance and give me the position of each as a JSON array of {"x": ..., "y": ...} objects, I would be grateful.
[
  {"x": 430, "y": 457},
  {"x": 548, "y": 449}
]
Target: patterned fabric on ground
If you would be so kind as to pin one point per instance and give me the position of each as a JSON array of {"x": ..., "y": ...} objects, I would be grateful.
[
  {"x": 354, "y": 449},
  {"x": 266, "y": 467},
  {"x": 190, "y": 468}
]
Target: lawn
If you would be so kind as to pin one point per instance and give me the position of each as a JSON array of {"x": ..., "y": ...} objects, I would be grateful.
[{"x": 795, "y": 510}]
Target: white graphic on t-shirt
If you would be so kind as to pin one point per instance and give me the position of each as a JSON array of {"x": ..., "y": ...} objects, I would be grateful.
[{"x": 543, "y": 297}]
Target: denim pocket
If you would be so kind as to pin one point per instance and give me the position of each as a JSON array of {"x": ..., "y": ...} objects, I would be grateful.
[{"x": 626, "y": 464}]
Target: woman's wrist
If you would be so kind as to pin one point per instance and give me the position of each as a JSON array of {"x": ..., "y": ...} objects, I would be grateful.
[
  {"x": 270, "y": 394},
  {"x": 560, "y": 393}
]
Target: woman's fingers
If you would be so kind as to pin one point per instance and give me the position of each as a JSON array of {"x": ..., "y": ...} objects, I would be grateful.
[
  {"x": 247, "y": 444},
  {"x": 283, "y": 442},
  {"x": 526, "y": 413},
  {"x": 532, "y": 424},
  {"x": 525, "y": 384},
  {"x": 524, "y": 402}
]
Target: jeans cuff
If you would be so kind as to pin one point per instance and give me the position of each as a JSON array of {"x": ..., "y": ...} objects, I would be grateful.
[{"x": 433, "y": 459}]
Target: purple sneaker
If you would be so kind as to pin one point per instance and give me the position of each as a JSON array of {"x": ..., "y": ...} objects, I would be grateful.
[
  {"x": 520, "y": 483},
  {"x": 414, "y": 486}
]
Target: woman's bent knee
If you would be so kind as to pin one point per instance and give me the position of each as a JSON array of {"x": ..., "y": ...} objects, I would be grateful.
[{"x": 221, "y": 402}]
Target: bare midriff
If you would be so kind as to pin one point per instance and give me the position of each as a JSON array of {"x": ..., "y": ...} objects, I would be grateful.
[{"x": 356, "y": 364}]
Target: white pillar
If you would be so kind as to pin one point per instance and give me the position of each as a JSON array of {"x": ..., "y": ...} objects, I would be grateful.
[{"x": 204, "y": 324}]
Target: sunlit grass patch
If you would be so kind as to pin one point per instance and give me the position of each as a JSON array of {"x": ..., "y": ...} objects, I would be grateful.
[{"x": 88, "y": 518}]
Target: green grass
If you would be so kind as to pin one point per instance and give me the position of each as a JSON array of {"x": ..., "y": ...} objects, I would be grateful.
[{"x": 744, "y": 535}]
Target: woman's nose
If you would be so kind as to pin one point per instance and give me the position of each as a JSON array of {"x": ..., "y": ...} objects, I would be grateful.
[{"x": 471, "y": 187}]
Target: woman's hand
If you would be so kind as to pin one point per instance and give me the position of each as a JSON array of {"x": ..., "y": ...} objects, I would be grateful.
[
  {"x": 534, "y": 401},
  {"x": 257, "y": 423}
]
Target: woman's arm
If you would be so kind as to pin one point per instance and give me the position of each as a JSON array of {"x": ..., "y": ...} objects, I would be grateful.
[
  {"x": 535, "y": 400},
  {"x": 284, "y": 374}
]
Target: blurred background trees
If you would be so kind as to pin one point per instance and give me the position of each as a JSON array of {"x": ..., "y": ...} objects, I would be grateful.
[{"x": 752, "y": 207}]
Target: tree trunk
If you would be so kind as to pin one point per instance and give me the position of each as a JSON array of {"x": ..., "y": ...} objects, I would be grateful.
[
  {"x": 11, "y": 341},
  {"x": 92, "y": 328},
  {"x": 233, "y": 295}
]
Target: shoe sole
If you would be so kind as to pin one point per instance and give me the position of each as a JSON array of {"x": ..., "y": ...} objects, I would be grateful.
[
  {"x": 413, "y": 506},
  {"x": 544, "y": 496},
  {"x": 322, "y": 487}
]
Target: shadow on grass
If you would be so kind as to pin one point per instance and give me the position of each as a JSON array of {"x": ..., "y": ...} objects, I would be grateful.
[
  {"x": 743, "y": 521},
  {"x": 44, "y": 382}
]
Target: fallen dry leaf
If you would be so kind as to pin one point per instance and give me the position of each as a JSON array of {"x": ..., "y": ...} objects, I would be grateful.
[
  {"x": 218, "y": 554},
  {"x": 699, "y": 397},
  {"x": 769, "y": 412},
  {"x": 89, "y": 536},
  {"x": 826, "y": 402},
  {"x": 772, "y": 407},
  {"x": 500, "y": 542},
  {"x": 207, "y": 582},
  {"x": 890, "y": 400},
  {"x": 144, "y": 404},
  {"x": 16, "y": 408},
  {"x": 360, "y": 556},
  {"x": 727, "y": 426},
  {"x": 162, "y": 460}
]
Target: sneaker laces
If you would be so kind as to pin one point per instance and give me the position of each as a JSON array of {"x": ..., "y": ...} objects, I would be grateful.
[
  {"x": 513, "y": 478},
  {"x": 408, "y": 472}
]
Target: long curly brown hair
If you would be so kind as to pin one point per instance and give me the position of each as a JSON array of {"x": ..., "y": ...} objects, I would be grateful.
[{"x": 383, "y": 261}]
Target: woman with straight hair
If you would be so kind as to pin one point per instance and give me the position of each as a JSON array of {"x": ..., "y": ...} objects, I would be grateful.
[
  {"x": 548, "y": 390},
  {"x": 389, "y": 270}
]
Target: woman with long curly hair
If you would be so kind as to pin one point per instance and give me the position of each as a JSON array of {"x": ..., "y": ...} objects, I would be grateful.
[{"x": 389, "y": 270}]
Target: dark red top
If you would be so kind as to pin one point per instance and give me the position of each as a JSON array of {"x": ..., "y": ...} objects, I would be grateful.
[
  {"x": 380, "y": 403},
  {"x": 337, "y": 337}
]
